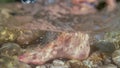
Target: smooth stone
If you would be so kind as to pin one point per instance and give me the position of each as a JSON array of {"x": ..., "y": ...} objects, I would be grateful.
[
  {"x": 108, "y": 66},
  {"x": 58, "y": 62}
]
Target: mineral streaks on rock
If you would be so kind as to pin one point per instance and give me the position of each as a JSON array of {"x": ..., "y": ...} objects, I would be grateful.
[{"x": 73, "y": 45}]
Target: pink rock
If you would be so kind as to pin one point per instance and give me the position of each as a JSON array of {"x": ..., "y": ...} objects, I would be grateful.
[
  {"x": 86, "y": 6},
  {"x": 70, "y": 45}
]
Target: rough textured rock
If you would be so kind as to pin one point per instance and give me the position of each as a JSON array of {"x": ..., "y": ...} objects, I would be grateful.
[
  {"x": 7, "y": 34},
  {"x": 28, "y": 36},
  {"x": 59, "y": 64},
  {"x": 10, "y": 49},
  {"x": 116, "y": 57},
  {"x": 76, "y": 64},
  {"x": 55, "y": 64},
  {"x": 73, "y": 45},
  {"x": 94, "y": 60},
  {"x": 11, "y": 62},
  {"x": 114, "y": 38}
]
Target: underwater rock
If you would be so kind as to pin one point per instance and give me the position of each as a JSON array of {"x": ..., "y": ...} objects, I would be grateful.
[
  {"x": 49, "y": 36},
  {"x": 11, "y": 62},
  {"x": 116, "y": 57},
  {"x": 7, "y": 34},
  {"x": 76, "y": 64},
  {"x": 107, "y": 60},
  {"x": 74, "y": 7},
  {"x": 42, "y": 66},
  {"x": 113, "y": 37},
  {"x": 94, "y": 60},
  {"x": 83, "y": 9},
  {"x": 57, "y": 63},
  {"x": 70, "y": 45},
  {"x": 28, "y": 36},
  {"x": 108, "y": 66},
  {"x": 10, "y": 49},
  {"x": 5, "y": 13},
  {"x": 111, "y": 5},
  {"x": 105, "y": 47}
]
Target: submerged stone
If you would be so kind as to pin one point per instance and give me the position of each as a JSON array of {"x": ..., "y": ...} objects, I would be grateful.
[
  {"x": 10, "y": 49},
  {"x": 116, "y": 57},
  {"x": 70, "y": 45}
]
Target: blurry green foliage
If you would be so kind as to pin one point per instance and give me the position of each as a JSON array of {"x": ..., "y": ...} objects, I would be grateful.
[{"x": 7, "y": 1}]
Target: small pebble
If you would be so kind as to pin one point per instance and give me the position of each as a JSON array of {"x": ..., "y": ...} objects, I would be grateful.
[
  {"x": 58, "y": 62},
  {"x": 42, "y": 66},
  {"x": 108, "y": 66},
  {"x": 52, "y": 66},
  {"x": 107, "y": 60},
  {"x": 116, "y": 57},
  {"x": 10, "y": 49}
]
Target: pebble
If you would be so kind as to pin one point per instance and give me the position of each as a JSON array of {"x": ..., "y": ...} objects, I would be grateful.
[
  {"x": 55, "y": 64},
  {"x": 107, "y": 60},
  {"x": 76, "y": 64},
  {"x": 106, "y": 47},
  {"x": 11, "y": 62},
  {"x": 108, "y": 66},
  {"x": 27, "y": 37},
  {"x": 58, "y": 62},
  {"x": 116, "y": 57},
  {"x": 10, "y": 49},
  {"x": 94, "y": 60},
  {"x": 42, "y": 66}
]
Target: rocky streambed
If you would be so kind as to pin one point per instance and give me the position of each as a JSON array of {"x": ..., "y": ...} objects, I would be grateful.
[{"x": 35, "y": 32}]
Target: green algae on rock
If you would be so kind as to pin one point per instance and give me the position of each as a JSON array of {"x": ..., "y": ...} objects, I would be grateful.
[
  {"x": 7, "y": 34},
  {"x": 8, "y": 56},
  {"x": 11, "y": 62},
  {"x": 10, "y": 49},
  {"x": 113, "y": 37},
  {"x": 27, "y": 36}
]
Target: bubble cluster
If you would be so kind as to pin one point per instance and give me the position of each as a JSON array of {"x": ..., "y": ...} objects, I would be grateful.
[{"x": 28, "y": 1}]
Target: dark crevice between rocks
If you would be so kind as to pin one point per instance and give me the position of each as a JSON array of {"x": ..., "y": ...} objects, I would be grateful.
[{"x": 102, "y": 5}]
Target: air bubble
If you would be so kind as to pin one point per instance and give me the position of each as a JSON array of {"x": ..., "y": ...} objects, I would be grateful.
[{"x": 28, "y": 1}]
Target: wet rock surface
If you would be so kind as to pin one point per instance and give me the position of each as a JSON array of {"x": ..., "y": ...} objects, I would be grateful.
[
  {"x": 10, "y": 49},
  {"x": 72, "y": 45},
  {"x": 108, "y": 66},
  {"x": 115, "y": 57},
  {"x": 28, "y": 36},
  {"x": 36, "y": 26},
  {"x": 11, "y": 62},
  {"x": 7, "y": 35}
]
